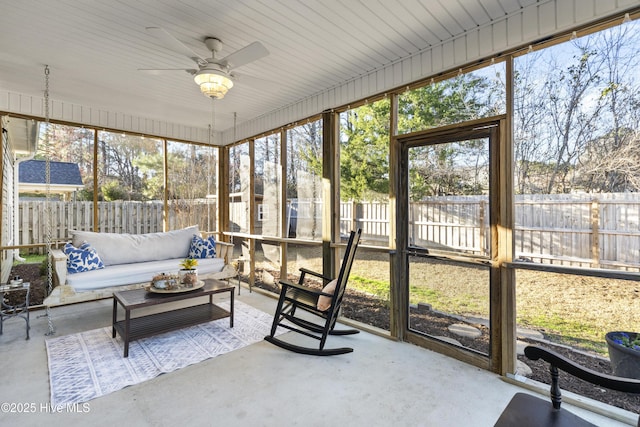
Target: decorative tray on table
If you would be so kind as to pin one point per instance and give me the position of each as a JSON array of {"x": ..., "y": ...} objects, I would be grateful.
[{"x": 173, "y": 288}]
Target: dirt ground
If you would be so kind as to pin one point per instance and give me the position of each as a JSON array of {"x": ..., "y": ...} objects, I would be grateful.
[
  {"x": 374, "y": 311},
  {"x": 29, "y": 273}
]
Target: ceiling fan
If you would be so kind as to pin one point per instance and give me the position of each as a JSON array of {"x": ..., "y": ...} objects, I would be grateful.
[{"x": 213, "y": 75}]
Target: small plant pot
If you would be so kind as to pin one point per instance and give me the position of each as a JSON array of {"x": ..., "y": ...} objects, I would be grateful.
[
  {"x": 192, "y": 280},
  {"x": 625, "y": 361}
]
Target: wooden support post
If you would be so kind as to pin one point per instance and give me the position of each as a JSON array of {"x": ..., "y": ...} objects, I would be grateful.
[
  {"x": 399, "y": 281},
  {"x": 165, "y": 203},
  {"x": 595, "y": 233},
  {"x": 252, "y": 212},
  {"x": 503, "y": 283},
  {"x": 330, "y": 193},
  {"x": 222, "y": 201},
  {"x": 3, "y": 239},
  {"x": 96, "y": 183},
  {"x": 284, "y": 230}
]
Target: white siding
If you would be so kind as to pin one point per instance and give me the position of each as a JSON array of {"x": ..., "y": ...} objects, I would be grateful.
[{"x": 6, "y": 257}]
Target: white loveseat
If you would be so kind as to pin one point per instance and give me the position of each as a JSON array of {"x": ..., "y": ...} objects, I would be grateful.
[{"x": 130, "y": 261}]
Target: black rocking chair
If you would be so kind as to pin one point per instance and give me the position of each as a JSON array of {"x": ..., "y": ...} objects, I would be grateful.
[
  {"x": 526, "y": 410},
  {"x": 297, "y": 299}
]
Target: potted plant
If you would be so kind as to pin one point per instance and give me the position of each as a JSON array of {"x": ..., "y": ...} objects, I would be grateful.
[
  {"x": 189, "y": 274},
  {"x": 624, "y": 352}
]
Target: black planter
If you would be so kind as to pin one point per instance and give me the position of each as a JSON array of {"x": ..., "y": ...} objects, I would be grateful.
[{"x": 625, "y": 362}]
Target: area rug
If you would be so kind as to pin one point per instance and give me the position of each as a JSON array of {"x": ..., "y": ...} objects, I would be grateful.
[{"x": 90, "y": 364}]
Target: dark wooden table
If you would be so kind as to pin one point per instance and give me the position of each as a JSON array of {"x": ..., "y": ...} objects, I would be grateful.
[{"x": 132, "y": 328}]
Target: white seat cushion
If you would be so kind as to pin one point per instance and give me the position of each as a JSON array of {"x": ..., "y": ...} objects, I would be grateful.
[{"x": 142, "y": 272}]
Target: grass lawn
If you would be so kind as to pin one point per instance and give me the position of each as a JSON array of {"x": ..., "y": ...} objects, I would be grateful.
[{"x": 31, "y": 259}]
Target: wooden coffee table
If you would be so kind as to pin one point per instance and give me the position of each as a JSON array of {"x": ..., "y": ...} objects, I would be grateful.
[{"x": 133, "y": 328}]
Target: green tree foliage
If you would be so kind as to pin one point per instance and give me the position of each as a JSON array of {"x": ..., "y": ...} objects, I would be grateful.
[
  {"x": 451, "y": 101},
  {"x": 85, "y": 195},
  {"x": 150, "y": 168},
  {"x": 112, "y": 191},
  {"x": 364, "y": 152}
]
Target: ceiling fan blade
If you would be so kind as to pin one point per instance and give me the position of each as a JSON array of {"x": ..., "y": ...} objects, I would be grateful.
[
  {"x": 249, "y": 53},
  {"x": 264, "y": 85},
  {"x": 172, "y": 43},
  {"x": 156, "y": 71}
]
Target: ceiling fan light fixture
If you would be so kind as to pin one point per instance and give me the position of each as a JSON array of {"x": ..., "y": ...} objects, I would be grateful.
[{"x": 212, "y": 83}]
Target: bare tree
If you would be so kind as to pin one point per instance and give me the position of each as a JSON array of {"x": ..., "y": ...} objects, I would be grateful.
[
  {"x": 528, "y": 118},
  {"x": 608, "y": 169},
  {"x": 610, "y": 162},
  {"x": 576, "y": 114},
  {"x": 573, "y": 114}
]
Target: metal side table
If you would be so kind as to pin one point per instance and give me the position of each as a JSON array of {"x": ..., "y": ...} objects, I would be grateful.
[{"x": 8, "y": 311}]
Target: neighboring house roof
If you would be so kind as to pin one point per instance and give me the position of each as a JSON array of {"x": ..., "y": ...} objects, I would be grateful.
[{"x": 64, "y": 176}]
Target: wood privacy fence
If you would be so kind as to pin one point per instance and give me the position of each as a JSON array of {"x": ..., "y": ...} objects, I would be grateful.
[
  {"x": 113, "y": 217},
  {"x": 586, "y": 230}
]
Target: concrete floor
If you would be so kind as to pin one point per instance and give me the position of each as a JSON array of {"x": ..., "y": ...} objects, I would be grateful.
[{"x": 382, "y": 383}]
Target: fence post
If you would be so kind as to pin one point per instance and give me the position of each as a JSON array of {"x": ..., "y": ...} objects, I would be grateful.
[
  {"x": 354, "y": 216},
  {"x": 595, "y": 233},
  {"x": 483, "y": 238}
]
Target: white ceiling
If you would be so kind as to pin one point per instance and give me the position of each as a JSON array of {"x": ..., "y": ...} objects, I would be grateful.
[{"x": 94, "y": 48}]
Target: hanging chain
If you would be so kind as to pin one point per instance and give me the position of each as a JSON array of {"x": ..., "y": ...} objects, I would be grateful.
[
  {"x": 48, "y": 210},
  {"x": 235, "y": 153},
  {"x": 231, "y": 188}
]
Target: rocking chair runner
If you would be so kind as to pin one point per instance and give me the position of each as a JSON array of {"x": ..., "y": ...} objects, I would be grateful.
[
  {"x": 323, "y": 306},
  {"x": 526, "y": 410}
]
